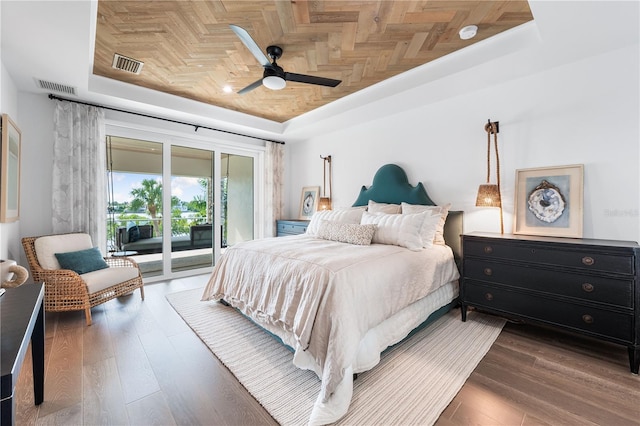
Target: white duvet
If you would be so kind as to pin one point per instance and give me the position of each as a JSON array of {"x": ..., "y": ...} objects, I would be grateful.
[{"x": 322, "y": 297}]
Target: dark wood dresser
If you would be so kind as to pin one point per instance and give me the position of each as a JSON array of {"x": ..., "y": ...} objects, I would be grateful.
[
  {"x": 583, "y": 285},
  {"x": 291, "y": 227}
]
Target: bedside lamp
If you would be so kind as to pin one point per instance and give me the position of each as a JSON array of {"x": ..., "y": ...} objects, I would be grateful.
[
  {"x": 489, "y": 194},
  {"x": 324, "y": 203}
]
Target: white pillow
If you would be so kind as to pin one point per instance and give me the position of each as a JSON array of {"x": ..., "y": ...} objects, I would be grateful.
[
  {"x": 396, "y": 229},
  {"x": 351, "y": 215},
  {"x": 443, "y": 211},
  {"x": 374, "y": 207},
  {"x": 352, "y": 233},
  {"x": 46, "y": 247}
]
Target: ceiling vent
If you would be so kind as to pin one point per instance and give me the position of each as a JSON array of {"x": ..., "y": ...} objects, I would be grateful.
[
  {"x": 126, "y": 64},
  {"x": 56, "y": 87}
]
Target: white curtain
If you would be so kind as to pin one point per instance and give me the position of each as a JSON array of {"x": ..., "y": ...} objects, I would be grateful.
[
  {"x": 274, "y": 176},
  {"x": 79, "y": 197}
]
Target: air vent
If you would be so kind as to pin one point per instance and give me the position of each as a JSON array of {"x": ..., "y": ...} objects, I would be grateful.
[
  {"x": 56, "y": 87},
  {"x": 127, "y": 64}
]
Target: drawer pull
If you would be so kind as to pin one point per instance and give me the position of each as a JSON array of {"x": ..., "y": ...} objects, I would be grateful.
[
  {"x": 488, "y": 249},
  {"x": 488, "y": 296},
  {"x": 588, "y": 260},
  {"x": 587, "y": 319},
  {"x": 488, "y": 272},
  {"x": 587, "y": 287}
]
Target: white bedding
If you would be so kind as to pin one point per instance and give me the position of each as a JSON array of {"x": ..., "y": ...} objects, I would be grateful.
[{"x": 323, "y": 298}]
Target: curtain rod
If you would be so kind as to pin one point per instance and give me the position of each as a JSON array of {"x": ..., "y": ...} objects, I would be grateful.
[{"x": 195, "y": 126}]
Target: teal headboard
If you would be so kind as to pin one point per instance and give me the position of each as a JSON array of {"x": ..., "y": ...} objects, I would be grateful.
[{"x": 391, "y": 185}]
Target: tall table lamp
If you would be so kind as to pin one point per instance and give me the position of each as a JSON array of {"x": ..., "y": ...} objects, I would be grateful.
[{"x": 489, "y": 194}]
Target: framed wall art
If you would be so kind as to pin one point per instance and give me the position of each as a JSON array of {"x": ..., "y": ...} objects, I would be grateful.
[
  {"x": 309, "y": 201},
  {"x": 549, "y": 201},
  {"x": 10, "y": 171}
]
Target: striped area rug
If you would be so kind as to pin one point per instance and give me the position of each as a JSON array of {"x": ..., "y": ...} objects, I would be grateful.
[{"x": 414, "y": 382}]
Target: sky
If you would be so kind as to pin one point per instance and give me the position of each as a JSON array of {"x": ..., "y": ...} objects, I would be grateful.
[{"x": 185, "y": 188}]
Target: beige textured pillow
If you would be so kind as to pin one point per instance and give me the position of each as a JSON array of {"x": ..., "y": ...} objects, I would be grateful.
[
  {"x": 374, "y": 207},
  {"x": 443, "y": 211},
  {"x": 351, "y": 233}
]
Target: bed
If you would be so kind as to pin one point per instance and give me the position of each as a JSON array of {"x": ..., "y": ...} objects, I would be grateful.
[{"x": 358, "y": 281}]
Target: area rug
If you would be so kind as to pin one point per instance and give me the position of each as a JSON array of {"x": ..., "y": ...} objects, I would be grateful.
[{"x": 414, "y": 382}]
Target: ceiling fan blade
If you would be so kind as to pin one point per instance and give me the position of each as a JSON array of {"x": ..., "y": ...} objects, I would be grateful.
[
  {"x": 310, "y": 79},
  {"x": 253, "y": 47},
  {"x": 250, "y": 87}
]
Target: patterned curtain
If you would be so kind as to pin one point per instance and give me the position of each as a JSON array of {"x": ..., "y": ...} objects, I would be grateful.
[
  {"x": 274, "y": 172},
  {"x": 79, "y": 197}
]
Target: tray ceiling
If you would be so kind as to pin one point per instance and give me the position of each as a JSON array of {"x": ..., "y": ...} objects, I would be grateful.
[{"x": 189, "y": 50}]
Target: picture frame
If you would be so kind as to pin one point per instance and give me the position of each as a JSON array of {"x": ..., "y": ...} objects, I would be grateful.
[
  {"x": 549, "y": 201},
  {"x": 10, "y": 170},
  {"x": 309, "y": 202}
]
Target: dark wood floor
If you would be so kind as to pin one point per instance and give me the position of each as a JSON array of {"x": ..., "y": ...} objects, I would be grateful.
[{"x": 140, "y": 364}]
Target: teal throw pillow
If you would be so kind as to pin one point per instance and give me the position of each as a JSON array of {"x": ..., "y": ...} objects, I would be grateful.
[
  {"x": 82, "y": 261},
  {"x": 133, "y": 232}
]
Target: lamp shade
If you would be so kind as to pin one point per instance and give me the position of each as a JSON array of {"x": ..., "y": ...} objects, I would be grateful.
[
  {"x": 488, "y": 196},
  {"x": 274, "y": 82},
  {"x": 324, "y": 203}
]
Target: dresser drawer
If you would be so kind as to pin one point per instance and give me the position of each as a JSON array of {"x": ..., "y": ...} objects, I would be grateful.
[
  {"x": 584, "y": 318},
  {"x": 286, "y": 227},
  {"x": 594, "y": 288},
  {"x": 591, "y": 260}
]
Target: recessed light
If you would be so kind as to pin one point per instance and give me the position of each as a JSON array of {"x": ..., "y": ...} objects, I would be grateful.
[
  {"x": 227, "y": 89},
  {"x": 468, "y": 32}
]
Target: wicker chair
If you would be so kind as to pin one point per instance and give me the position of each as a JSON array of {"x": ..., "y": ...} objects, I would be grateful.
[{"x": 65, "y": 289}]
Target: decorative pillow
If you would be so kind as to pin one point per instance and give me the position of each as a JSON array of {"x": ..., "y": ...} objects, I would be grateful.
[
  {"x": 374, "y": 207},
  {"x": 146, "y": 231},
  {"x": 351, "y": 233},
  {"x": 82, "y": 261},
  {"x": 443, "y": 211},
  {"x": 351, "y": 215},
  {"x": 396, "y": 229},
  {"x": 47, "y": 247},
  {"x": 134, "y": 234}
]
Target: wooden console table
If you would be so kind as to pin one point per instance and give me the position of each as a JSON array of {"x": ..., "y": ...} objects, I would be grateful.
[{"x": 21, "y": 320}]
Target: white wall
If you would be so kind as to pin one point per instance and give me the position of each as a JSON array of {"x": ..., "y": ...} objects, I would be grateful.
[
  {"x": 583, "y": 112},
  {"x": 10, "y": 247},
  {"x": 37, "y": 165}
]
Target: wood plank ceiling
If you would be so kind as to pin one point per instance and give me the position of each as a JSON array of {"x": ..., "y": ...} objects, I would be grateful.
[{"x": 189, "y": 50}]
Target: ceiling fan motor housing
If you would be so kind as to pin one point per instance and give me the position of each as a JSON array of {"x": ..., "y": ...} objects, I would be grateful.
[{"x": 274, "y": 52}]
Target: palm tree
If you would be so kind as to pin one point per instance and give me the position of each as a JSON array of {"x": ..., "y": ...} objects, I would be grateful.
[{"x": 148, "y": 196}]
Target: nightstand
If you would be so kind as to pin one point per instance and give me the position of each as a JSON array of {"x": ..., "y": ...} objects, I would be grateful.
[
  {"x": 584, "y": 285},
  {"x": 291, "y": 227}
]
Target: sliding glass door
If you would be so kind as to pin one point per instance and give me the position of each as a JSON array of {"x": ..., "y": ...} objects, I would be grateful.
[
  {"x": 175, "y": 205},
  {"x": 192, "y": 208},
  {"x": 135, "y": 193},
  {"x": 237, "y": 198}
]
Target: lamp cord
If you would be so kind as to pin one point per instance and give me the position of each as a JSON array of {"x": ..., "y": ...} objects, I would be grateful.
[
  {"x": 488, "y": 129},
  {"x": 491, "y": 128},
  {"x": 329, "y": 160},
  {"x": 324, "y": 176}
]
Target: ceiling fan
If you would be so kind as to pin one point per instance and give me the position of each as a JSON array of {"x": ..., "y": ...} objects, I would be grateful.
[{"x": 274, "y": 77}]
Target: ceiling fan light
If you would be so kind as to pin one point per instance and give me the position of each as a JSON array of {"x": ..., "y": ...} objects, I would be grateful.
[{"x": 274, "y": 82}]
